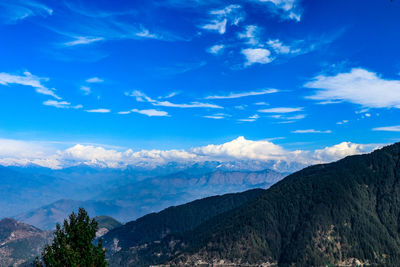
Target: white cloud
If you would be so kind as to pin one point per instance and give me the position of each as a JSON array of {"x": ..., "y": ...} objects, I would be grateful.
[
  {"x": 242, "y": 148},
  {"x": 359, "y": 86},
  {"x": 216, "y": 49},
  {"x": 342, "y": 122},
  {"x": 57, "y": 104},
  {"x": 93, "y": 26},
  {"x": 60, "y": 104},
  {"x": 280, "y": 48},
  {"x": 16, "y": 10},
  {"x": 145, "y": 33},
  {"x": 215, "y": 117},
  {"x": 251, "y": 34},
  {"x": 140, "y": 96},
  {"x": 219, "y": 26},
  {"x": 241, "y": 107},
  {"x": 98, "y": 110},
  {"x": 151, "y": 112},
  {"x": 243, "y": 94},
  {"x": 388, "y": 128},
  {"x": 281, "y": 110},
  {"x": 231, "y": 14},
  {"x": 296, "y": 117},
  {"x": 287, "y": 119},
  {"x": 22, "y": 153},
  {"x": 28, "y": 80},
  {"x": 289, "y": 8},
  {"x": 169, "y": 95},
  {"x": 86, "y": 89},
  {"x": 82, "y": 40},
  {"x": 311, "y": 131},
  {"x": 250, "y": 119},
  {"x": 257, "y": 55},
  {"x": 341, "y": 150},
  {"x": 190, "y": 105},
  {"x": 47, "y": 154},
  {"x": 94, "y": 80},
  {"x": 124, "y": 112}
]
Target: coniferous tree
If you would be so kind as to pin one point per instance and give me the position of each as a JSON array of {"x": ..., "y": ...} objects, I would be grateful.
[{"x": 73, "y": 244}]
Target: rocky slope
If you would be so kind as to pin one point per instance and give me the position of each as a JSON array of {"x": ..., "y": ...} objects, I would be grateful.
[{"x": 20, "y": 243}]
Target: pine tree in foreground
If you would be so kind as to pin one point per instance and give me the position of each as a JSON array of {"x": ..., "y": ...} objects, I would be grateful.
[{"x": 73, "y": 244}]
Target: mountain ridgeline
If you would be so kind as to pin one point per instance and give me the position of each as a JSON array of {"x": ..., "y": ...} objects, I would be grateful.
[
  {"x": 345, "y": 213},
  {"x": 179, "y": 219},
  {"x": 125, "y": 198}
]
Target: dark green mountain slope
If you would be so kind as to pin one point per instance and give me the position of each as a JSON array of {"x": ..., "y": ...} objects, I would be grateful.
[
  {"x": 155, "y": 226},
  {"x": 344, "y": 213},
  {"x": 106, "y": 224}
]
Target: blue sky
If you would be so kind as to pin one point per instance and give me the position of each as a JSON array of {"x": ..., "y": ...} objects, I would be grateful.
[{"x": 173, "y": 74}]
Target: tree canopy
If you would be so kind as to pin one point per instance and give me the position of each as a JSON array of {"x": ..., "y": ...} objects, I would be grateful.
[{"x": 73, "y": 244}]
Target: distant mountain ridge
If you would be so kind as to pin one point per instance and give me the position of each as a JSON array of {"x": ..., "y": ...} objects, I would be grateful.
[
  {"x": 127, "y": 201},
  {"x": 48, "y": 216},
  {"x": 340, "y": 214}
]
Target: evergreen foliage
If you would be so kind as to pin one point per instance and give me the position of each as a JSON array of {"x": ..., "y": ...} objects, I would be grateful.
[
  {"x": 177, "y": 219},
  {"x": 73, "y": 244}
]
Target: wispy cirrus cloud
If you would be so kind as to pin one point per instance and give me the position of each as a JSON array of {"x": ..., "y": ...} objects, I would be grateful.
[
  {"x": 311, "y": 131},
  {"x": 342, "y": 122},
  {"x": 86, "y": 24},
  {"x": 358, "y": 86},
  {"x": 86, "y": 89},
  {"x": 98, "y": 110},
  {"x": 281, "y": 110},
  {"x": 188, "y": 105},
  {"x": 61, "y": 104},
  {"x": 250, "y": 119},
  {"x": 94, "y": 80},
  {"x": 280, "y": 48},
  {"x": 216, "y": 49},
  {"x": 243, "y": 94},
  {"x": 13, "y": 11},
  {"x": 152, "y": 112},
  {"x": 284, "y": 118},
  {"x": 139, "y": 96},
  {"x": 170, "y": 95},
  {"x": 286, "y": 9},
  {"x": 142, "y": 97},
  {"x": 28, "y": 79},
  {"x": 229, "y": 15},
  {"x": 395, "y": 128},
  {"x": 83, "y": 40},
  {"x": 215, "y": 117},
  {"x": 147, "y": 112}
]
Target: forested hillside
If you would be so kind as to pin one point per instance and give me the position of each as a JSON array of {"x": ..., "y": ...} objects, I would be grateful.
[{"x": 343, "y": 213}]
